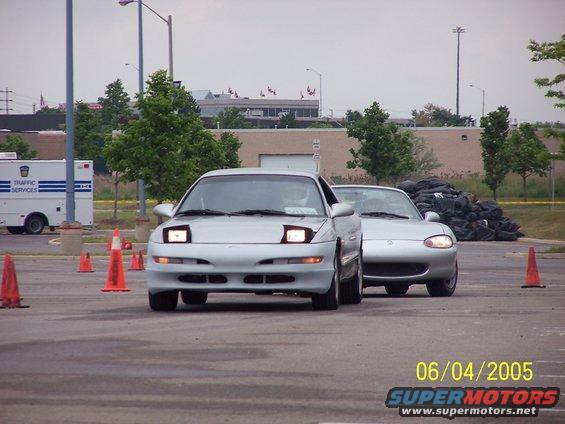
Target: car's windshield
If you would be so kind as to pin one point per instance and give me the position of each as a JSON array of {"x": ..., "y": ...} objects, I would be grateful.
[
  {"x": 373, "y": 201},
  {"x": 254, "y": 195}
]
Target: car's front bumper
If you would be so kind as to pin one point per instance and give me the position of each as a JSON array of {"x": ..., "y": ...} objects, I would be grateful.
[
  {"x": 235, "y": 262},
  {"x": 382, "y": 259}
]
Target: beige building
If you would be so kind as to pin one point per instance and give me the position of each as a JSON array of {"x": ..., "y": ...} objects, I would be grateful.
[{"x": 457, "y": 148}]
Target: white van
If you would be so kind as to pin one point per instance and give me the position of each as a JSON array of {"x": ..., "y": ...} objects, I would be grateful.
[{"x": 32, "y": 194}]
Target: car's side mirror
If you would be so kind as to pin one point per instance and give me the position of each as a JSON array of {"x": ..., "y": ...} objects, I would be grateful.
[
  {"x": 432, "y": 216},
  {"x": 341, "y": 209},
  {"x": 164, "y": 209}
]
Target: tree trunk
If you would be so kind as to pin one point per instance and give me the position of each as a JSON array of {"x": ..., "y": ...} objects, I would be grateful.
[
  {"x": 524, "y": 189},
  {"x": 116, "y": 181},
  {"x": 494, "y": 194}
]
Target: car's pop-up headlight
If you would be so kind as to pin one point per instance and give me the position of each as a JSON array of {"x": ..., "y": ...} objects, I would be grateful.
[
  {"x": 178, "y": 234},
  {"x": 439, "y": 242},
  {"x": 297, "y": 234}
]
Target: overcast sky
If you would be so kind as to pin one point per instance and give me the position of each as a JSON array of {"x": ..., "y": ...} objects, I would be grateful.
[{"x": 401, "y": 53}]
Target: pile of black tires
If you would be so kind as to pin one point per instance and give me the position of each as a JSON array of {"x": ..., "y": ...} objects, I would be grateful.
[{"x": 469, "y": 219}]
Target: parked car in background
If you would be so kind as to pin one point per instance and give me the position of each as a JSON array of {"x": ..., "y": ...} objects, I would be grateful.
[
  {"x": 399, "y": 247},
  {"x": 256, "y": 231}
]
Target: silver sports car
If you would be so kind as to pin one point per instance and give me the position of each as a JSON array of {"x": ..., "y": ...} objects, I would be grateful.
[
  {"x": 256, "y": 231},
  {"x": 399, "y": 247}
]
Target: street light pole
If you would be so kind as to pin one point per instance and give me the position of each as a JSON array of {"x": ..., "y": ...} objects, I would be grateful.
[
  {"x": 70, "y": 122},
  {"x": 320, "y": 77},
  {"x": 457, "y": 31},
  {"x": 168, "y": 21},
  {"x": 141, "y": 183},
  {"x": 483, "y": 91}
]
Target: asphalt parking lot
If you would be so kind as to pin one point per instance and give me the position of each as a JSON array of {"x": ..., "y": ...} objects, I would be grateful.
[{"x": 82, "y": 356}]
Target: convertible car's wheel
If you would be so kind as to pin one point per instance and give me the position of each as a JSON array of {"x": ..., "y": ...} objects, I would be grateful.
[
  {"x": 396, "y": 289},
  {"x": 443, "y": 288},
  {"x": 163, "y": 301},
  {"x": 193, "y": 298},
  {"x": 330, "y": 299},
  {"x": 16, "y": 230},
  {"x": 352, "y": 289}
]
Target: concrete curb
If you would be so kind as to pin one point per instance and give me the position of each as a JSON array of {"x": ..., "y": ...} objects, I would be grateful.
[
  {"x": 538, "y": 255},
  {"x": 540, "y": 241}
]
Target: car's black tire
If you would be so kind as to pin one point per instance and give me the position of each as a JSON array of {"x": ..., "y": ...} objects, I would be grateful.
[
  {"x": 193, "y": 297},
  {"x": 396, "y": 289},
  {"x": 34, "y": 224},
  {"x": 163, "y": 301},
  {"x": 330, "y": 300},
  {"x": 443, "y": 288},
  {"x": 352, "y": 290},
  {"x": 16, "y": 230}
]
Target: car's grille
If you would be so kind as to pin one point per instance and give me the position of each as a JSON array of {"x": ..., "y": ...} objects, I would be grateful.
[
  {"x": 394, "y": 269},
  {"x": 267, "y": 279},
  {"x": 203, "y": 278}
]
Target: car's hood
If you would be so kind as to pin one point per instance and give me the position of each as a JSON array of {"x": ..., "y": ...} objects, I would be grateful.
[
  {"x": 399, "y": 229},
  {"x": 242, "y": 229}
]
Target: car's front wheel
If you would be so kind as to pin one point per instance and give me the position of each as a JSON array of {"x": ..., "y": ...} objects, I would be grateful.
[
  {"x": 193, "y": 298},
  {"x": 352, "y": 289},
  {"x": 443, "y": 288},
  {"x": 163, "y": 301},
  {"x": 396, "y": 289},
  {"x": 330, "y": 299}
]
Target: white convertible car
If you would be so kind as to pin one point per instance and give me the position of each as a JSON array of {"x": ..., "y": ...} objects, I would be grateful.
[
  {"x": 256, "y": 231},
  {"x": 399, "y": 247}
]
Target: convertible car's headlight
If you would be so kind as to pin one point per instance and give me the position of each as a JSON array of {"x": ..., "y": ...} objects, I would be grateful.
[
  {"x": 178, "y": 234},
  {"x": 294, "y": 234},
  {"x": 439, "y": 242}
]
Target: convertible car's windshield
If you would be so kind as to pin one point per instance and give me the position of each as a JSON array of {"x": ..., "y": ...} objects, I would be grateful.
[
  {"x": 254, "y": 194},
  {"x": 379, "y": 202}
]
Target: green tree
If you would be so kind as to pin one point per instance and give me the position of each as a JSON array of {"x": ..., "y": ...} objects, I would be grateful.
[
  {"x": 528, "y": 155},
  {"x": 166, "y": 148},
  {"x": 115, "y": 106},
  {"x": 230, "y": 146},
  {"x": 494, "y": 147},
  {"x": 385, "y": 151},
  {"x": 15, "y": 143},
  {"x": 49, "y": 111},
  {"x": 87, "y": 132},
  {"x": 231, "y": 118},
  {"x": 288, "y": 121},
  {"x": 550, "y": 51},
  {"x": 351, "y": 116},
  {"x": 320, "y": 125},
  {"x": 438, "y": 116}
]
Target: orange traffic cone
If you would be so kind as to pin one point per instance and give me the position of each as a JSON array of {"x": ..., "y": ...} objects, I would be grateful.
[
  {"x": 135, "y": 265},
  {"x": 141, "y": 264},
  {"x": 85, "y": 264},
  {"x": 532, "y": 275},
  {"x": 116, "y": 280},
  {"x": 10, "y": 294}
]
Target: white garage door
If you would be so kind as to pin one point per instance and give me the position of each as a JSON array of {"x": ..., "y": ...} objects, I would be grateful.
[{"x": 304, "y": 162}]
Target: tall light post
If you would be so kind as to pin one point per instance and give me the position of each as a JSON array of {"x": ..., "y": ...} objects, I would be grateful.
[
  {"x": 168, "y": 20},
  {"x": 70, "y": 122},
  {"x": 479, "y": 88},
  {"x": 320, "y": 76},
  {"x": 458, "y": 31}
]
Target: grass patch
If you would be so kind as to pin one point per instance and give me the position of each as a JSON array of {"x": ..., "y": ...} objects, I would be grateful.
[
  {"x": 555, "y": 249},
  {"x": 538, "y": 187},
  {"x": 539, "y": 221},
  {"x": 126, "y": 220}
]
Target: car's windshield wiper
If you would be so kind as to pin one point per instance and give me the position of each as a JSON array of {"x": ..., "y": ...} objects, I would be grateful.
[
  {"x": 202, "y": 212},
  {"x": 265, "y": 212},
  {"x": 388, "y": 214}
]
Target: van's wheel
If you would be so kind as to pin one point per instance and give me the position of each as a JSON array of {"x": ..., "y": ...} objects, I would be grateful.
[
  {"x": 163, "y": 301},
  {"x": 396, "y": 289},
  {"x": 352, "y": 289},
  {"x": 34, "y": 224},
  {"x": 193, "y": 298},
  {"x": 16, "y": 230},
  {"x": 330, "y": 299},
  {"x": 443, "y": 288}
]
